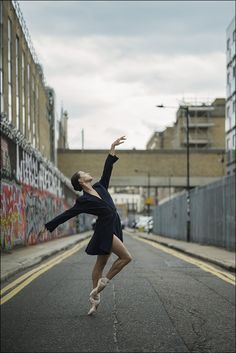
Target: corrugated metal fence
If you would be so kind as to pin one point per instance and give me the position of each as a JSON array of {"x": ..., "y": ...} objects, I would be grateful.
[{"x": 212, "y": 215}]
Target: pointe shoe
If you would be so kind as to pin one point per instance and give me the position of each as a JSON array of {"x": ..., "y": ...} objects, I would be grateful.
[
  {"x": 92, "y": 310},
  {"x": 102, "y": 282},
  {"x": 95, "y": 302}
]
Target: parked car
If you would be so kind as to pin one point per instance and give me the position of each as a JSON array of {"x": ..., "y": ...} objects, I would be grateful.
[
  {"x": 122, "y": 224},
  {"x": 149, "y": 226},
  {"x": 145, "y": 223},
  {"x": 93, "y": 223}
]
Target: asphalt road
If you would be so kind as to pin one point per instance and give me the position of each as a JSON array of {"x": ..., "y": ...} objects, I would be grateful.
[{"x": 157, "y": 303}]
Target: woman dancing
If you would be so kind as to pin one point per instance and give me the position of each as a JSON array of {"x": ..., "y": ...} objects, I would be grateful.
[{"x": 107, "y": 237}]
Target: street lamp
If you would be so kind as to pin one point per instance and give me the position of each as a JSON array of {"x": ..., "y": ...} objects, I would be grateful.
[{"x": 186, "y": 109}]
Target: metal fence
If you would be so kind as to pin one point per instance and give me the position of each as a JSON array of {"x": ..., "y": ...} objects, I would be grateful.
[{"x": 212, "y": 215}]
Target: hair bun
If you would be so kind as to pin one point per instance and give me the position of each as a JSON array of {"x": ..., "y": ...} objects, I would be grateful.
[{"x": 75, "y": 182}]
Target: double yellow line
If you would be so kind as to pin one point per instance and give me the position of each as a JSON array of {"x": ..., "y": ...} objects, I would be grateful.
[
  {"x": 225, "y": 276},
  {"x": 21, "y": 282}
]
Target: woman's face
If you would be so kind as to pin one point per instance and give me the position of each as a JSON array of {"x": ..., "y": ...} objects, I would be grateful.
[{"x": 85, "y": 177}]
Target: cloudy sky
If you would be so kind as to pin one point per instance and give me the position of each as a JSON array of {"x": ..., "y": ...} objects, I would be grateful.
[{"x": 112, "y": 62}]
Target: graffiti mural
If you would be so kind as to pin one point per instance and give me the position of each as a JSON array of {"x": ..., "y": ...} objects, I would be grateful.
[{"x": 32, "y": 193}]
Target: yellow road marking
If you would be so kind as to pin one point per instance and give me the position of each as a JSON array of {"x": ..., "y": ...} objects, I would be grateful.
[
  {"x": 28, "y": 277},
  {"x": 28, "y": 274},
  {"x": 227, "y": 277}
]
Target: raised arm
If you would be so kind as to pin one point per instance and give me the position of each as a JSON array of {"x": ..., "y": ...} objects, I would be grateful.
[{"x": 110, "y": 160}]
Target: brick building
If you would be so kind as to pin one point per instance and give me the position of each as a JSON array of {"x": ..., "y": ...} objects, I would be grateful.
[
  {"x": 26, "y": 101},
  {"x": 206, "y": 128}
]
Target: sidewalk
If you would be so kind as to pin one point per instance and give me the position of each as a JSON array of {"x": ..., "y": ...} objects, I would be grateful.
[
  {"x": 25, "y": 257},
  {"x": 218, "y": 256}
]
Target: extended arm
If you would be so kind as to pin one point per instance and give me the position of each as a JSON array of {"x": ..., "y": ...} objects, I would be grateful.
[
  {"x": 111, "y": 159},
  {"x": 65, "y": 216}
]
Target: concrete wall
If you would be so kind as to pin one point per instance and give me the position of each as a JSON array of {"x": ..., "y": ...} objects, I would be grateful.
[{"x": 205, "y": 166}]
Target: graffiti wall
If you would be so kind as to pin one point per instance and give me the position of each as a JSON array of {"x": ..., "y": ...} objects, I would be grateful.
[{"x": 32, "y": 193}]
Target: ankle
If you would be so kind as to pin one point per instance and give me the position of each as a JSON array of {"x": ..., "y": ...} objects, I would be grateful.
[{"x": 106, "y": 279}]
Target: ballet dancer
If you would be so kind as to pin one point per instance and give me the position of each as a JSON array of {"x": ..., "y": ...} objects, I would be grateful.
[{"x": 107, "y": 237}]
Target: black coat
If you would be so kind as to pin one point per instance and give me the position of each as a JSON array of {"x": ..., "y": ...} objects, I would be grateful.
[{"x": 108, "y": 221}]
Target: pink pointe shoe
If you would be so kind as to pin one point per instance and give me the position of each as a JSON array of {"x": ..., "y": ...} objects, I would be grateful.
[
  {"x": 102, "y": 282},
  {"x": 95, "y": 301}
]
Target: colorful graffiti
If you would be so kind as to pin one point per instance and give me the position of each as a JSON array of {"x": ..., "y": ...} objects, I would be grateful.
[
  {"x": 31, "y": 172},
  {"x": 31, "y": 195}
]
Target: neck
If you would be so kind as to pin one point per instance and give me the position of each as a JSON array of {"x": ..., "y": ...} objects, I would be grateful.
[{"x": 87, "y": 187}]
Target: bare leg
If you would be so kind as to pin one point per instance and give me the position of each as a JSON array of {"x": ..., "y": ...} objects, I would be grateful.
[
  {"x": 123, "y": 254},
  {"x": 96, "y": 274},
  {"x": 98, "y": 268}
]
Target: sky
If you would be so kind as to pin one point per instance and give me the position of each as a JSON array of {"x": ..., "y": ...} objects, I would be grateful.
[{"x": 111, "y": 62}]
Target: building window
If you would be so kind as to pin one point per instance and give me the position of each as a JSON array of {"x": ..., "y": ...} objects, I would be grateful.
[
  {"x": 228, "y": 112},
  {"x": 233, "y": 71},
  {"x": 1, "y": 65},
  {"x": 234, "y": 35},
  {"x": 227, "y": 144},
  {"x": 17, "y": 84},
  {"x": 28, "y": 103},
  {"x": 37, "y": 114},
  {"x": 228, "y": 43},
  {"x": 9, "y": 64},
  {"x": 228, "y": 78},
  {"x": 23, "y": 91},
  {"x": 233, "y": 140},
  {"x": 33, "y": 110},
  {"x": 1, "y": 90}
]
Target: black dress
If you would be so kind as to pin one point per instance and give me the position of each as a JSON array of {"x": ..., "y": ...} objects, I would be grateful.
[{"x": 108, "y": 221}]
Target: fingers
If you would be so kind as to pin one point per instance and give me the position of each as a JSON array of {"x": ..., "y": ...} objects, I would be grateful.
[{"x": 120, "y": 140}]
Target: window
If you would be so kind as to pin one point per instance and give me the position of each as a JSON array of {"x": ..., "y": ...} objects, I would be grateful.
[
  {"x": 234, "y": 35},
  {"x": 228, "y": 44},
  {"x": 33, "y": 110},
  {"x": 9, "y": 64},
  {"x": 23, "y": 90},
  {"x": 28, "y": 102},
  {"x": 227, "y": 144},
  {"x": 233, "y": 140},
  {"x": 17, "y": 84},
  {"x": 233, "y": 71},
  {"x": 37, "y": 113},
  {"x": 228, "y": 112},
  {"x": 1, "y": 90}
]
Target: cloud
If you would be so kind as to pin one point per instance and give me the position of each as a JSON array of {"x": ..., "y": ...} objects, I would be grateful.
[
  {"x": 111, "y": 63},
  {"x": 137, "y": 18},
  {"x": 106, "y": 92}
]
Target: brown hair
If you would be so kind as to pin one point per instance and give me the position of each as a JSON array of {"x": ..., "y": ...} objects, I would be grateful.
[{"x": 75, "y": 182}]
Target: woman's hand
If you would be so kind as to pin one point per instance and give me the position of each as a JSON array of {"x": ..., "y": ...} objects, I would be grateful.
[{"x": 117, "y": 142}]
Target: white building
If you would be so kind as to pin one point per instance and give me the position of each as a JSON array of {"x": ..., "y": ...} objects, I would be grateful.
[
  {"x": 230, "y": 98},
  {"x": 133, "y": 201}
]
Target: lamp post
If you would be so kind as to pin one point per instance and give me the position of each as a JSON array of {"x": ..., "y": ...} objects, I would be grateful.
[
  {"x": 188, "y": 224},
  {"x": 188, "y": 175},
  {"x": 148, "y": 206}
]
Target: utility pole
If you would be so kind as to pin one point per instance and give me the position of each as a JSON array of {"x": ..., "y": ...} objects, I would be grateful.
[
  {"x": 82, "y": 138},
  {"x": 148, "y": 209},
  {"x": 188, "y": 175}
]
